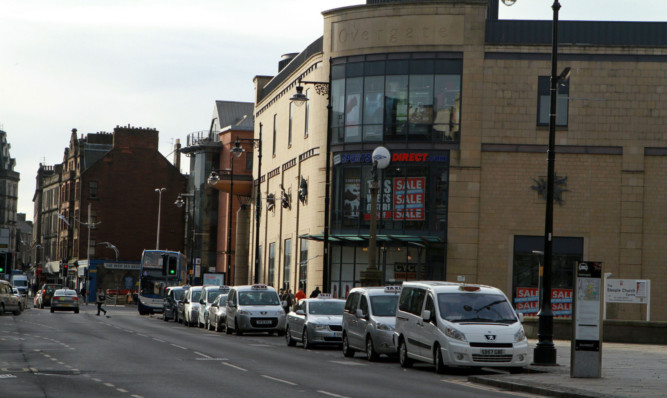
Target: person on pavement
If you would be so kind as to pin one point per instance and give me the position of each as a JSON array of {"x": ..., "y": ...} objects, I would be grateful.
[
  {"x": 315, "y": 292},
  {"x": 300, "y": 295}
]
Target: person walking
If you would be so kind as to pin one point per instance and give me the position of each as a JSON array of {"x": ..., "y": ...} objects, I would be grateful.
[
  {"x": 83, "y": 294},
  {"x": 315, "y": 292},
  {"x": 100, "y": 300},
  {"x": 300, "y": 295}
]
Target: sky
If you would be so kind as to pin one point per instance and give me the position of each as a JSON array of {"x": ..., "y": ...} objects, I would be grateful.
[{"x": 97, "y": 64}]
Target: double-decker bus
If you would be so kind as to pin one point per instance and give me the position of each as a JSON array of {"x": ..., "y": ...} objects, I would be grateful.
[{"x": 159, "y": 269}]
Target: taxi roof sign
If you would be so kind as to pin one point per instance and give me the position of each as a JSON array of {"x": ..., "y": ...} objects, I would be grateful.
[
  {"x": 259, "y": 286},
  {"x": 392, "y": 289},
  {"x": 324, "y": 296}
]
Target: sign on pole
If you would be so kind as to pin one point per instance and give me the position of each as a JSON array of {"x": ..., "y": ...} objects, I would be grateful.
[
  {"x": 586, "y": 346},
  {"x": 632, "y": 291}
]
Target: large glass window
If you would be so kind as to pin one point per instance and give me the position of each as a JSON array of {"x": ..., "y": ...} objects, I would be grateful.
[
  {"x": 287, "y": 260},
  {"x": 303, "y": 264},
  {"x": 403, "y": 97},
  {"x": 272, "y": 264}
]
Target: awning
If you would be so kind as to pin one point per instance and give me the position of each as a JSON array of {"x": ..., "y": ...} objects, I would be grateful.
[{"x": 363, "y": 238}]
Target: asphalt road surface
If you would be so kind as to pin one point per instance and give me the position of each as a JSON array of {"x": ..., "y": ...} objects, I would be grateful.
[{"x": 128, "y": 355}]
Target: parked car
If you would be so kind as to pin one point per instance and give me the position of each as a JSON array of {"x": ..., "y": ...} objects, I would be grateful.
[
  {"x": 208, "y": 295},
  {"x": 369, "y": 320},
  {"x": 455, "y": 324},
  {"x": 217, "y": 313},
  {"x": 254, "y": 308},
  {"x": 191, "y": 305},
  {"x": 8, "y": 300},
  {"x": 23, "y": 298},
  {"x": 65, "y": 300},
  {"x": 316, "y": 321},
  {"x": 47, "y": 290},
  {"x": 173, "y": 298}
]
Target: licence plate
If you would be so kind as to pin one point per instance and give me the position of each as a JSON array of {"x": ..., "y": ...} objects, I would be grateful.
[
  {"x": 264, "y": 322},
  {"x": 336, "y": 334},
  {"x": 492, "y": 352}
]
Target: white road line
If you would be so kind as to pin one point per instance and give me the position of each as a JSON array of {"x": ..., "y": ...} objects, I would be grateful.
[
  {"x": 331, "y": 394},
  {"x": 203, "y": 355},
  {"x": 121, "y": 390},
  {"x": 348, "y": 363},
  {"x": 136, "y": 396},
  {"x": 109, "y": 385},
  {"x": 279, "y": 380},
  {"x": 98, "y": 380},
  {"x": 161, "y": 341},
  {"x": 234, "y": 366},
  {"x": 179, "y": 346}
]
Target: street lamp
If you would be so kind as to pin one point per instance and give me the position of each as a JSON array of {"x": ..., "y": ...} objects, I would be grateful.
[
  {"x": 110, "y": 245},
  {"x": 237, "y": 151},
  {"x": 159, "y": 210},
  {"x": 372, "y": 276},
  {"x": 184, "y": 199},
  {"x": 545, "y": 351}
]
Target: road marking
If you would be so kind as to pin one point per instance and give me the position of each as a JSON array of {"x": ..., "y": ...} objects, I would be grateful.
[
  {"x": 136, "y": 396},
  {"x": 179, "y": 346},
  {"x": 109, "y": 385},
  {"x": 161, "y": 341},
  {"x": 331, "y": 394},
  {"x": 203, "y": 355},
  {"x": 349, "y": 363},
  {"x": 279, "y": 380},
  {"x": 234, "y": 366},
  {"x": 97, "y": 380},
  {"x": 7, "y": 376},
  {"x": 121, "y": 390}
]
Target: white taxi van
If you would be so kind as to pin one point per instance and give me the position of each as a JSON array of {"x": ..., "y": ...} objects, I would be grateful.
[
  {"x": 254, "y": 308},
  {"x": 458, "y": 325}
]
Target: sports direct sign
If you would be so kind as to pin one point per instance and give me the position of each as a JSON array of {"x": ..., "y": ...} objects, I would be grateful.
[{"x": 527, "y": 301}]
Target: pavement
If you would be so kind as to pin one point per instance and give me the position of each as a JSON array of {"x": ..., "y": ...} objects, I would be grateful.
[{"x": 628, "y": 370}]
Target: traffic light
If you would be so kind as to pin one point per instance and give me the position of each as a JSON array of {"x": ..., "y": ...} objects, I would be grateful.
[
  {"x": 65, "y": 269},
  {"x": 171, "y": 268},
  {"x": 2, "y": 264}
]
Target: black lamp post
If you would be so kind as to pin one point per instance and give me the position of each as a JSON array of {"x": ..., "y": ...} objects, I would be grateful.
[{"x": 545, "y": 351}]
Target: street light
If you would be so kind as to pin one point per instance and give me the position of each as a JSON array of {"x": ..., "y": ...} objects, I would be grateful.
[
  {"x": 237, "y": 151},
  {"x": 184, "y": 199},
  {"x": 159, "y": 210},
  {"x": 110, "y": 245},
  {"x": 545, "y": 351}
]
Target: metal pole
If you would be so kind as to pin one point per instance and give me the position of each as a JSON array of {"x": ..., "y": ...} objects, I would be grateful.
[
  {"x": 159, "y": 210},
  {"x": 229, "y": 222},
  {"x": 258, "y": 202},
  {"x": 545, "y": 351}
]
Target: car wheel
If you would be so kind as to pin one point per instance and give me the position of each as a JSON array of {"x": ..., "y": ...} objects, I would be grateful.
[
  {"x": 218, "y": 326},
  {"x": 288, "y": 338},
  {"x": 440, "y": 367},
  {"x": 403, "y": 358},
  {"x": 176, "y": 318},
  {"x": 76, "y": 311},
  {"x": 164, "y": 316},
  {"x": 515, "y": 370},
  {"x": 347, "y": 350},
  {"x": 304, "y": 340},
  {"x": 228, "y": 330},
  {"x": 238, "y": 329},
  {"x": 41, "y": 306},
  {"x": 371, "y": 354},
  {"x": 52, "y": 310}
]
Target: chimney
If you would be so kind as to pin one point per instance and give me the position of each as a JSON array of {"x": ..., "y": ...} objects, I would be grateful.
[{"x": 177, "y": 154}]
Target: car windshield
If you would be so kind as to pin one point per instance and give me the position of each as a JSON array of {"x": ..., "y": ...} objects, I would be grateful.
[
  {"x": 259, "y": 298},
  {"x": 384, "y": 305},
  {"x": 221, "y": 300},
  {"x": 63, "y": 292},
  {"x": 196, "y": 295},
  {"x": 212, "y": 294},
  {"x": 326, "y": 307},
  {"x": 20, "y": 282},
  {"x": 475, "y": 307},
  {"x": 178, "y": 294}
]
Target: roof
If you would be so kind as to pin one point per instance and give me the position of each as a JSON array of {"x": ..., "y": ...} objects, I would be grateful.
[{"x": 235, "y": 115}]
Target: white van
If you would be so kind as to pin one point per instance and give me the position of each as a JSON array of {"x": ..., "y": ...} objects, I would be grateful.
[
  {"x": 456, "y": 324},
  {"x": 254, "y": 308}
]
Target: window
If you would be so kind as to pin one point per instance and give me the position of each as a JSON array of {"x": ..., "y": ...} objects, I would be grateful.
[
  {"x": 412, "y": 300},
  {"x": 352, "y": 302},
  {"x": 363, "y": 306},
  {"x": 272, "y": 263},
  {"x": 287, "y": 260},
  {"x": 544, "y": 101},
  {"x": 92, "y": 189},
  {"x": 307, "y": 115},
  {"x": 303, "y": 264},
  {"x": 275, "y": 133},
  {"x": 289, "y": 131},
  {"x": 248, "y": 160}
]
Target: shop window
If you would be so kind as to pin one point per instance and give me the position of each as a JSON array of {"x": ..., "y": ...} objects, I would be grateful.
[
  {"x": 287, "y": 261},
  {"x": 272, "y": 264},
  {"x": 303, "y": 264},
  {"x": 544, "y": 101}
]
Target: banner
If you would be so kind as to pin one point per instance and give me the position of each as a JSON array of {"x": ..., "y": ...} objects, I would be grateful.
[{"x": 527, "y": 301}]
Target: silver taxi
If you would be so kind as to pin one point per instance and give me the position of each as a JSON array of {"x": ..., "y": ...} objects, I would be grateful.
[
  {"x": 254, "y": 308},
  {"x": 316, "y": 321},
  {"x": 369, "y": 320}
]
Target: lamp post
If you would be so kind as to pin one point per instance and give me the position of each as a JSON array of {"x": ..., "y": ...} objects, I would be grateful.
[
  {"x": 545, "y": 351},
  {"x": 110, "y": 245},
  {"x": 237, "y": 151},
  {"x": 159, "y": 210},
  {"x": 184, "y": 199}
]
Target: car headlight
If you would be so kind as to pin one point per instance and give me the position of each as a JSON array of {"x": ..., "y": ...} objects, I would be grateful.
[
  {"x": 244, "y": 312},
  {"x": 519, "y": 336},
  {"x": 317, "y": 326},
  {"x": 382, "y": 326},
  {"x": 455, "y": 334}
]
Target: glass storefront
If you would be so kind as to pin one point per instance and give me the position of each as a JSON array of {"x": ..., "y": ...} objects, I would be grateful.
[{"x": 396, "y": 97}]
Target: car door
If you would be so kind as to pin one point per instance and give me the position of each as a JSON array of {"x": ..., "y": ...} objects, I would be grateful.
[
  {"x": 426, "y": 332},
  {"x": 232, "y": 305},
  {"x": 361, "y": 317},
  {"x": 350, "y": 320},
  {"x": 411, "y": 309}
]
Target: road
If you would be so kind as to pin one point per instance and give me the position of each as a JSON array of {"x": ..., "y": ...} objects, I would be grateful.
[{"x": 128, "y": 355}]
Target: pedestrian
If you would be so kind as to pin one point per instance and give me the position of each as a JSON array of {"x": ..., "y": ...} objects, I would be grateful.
[
  {"x": 315, "y": 292},
  {"x": 100, "y": 300},
  {"x": 286, "y": 300},
  {"x": 83, "y": 294},
  {"x": 300, "y": 295}
]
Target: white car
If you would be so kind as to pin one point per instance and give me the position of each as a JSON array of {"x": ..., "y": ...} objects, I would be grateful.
[
  {"x": 208, "y": 295},
  {"x": 191, "y": 306},
  {"x": 254, "y": 308},
  {"x": 316, "y": 321},
  {"x": 459, "y": 325},
  {"x": 217, "y": 313}
]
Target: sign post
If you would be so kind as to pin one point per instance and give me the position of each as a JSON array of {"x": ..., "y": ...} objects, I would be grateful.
[{"x": 586, "y": 346}]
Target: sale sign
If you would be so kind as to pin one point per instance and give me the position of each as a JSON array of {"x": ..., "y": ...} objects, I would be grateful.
[
  {"x": 527, "y": 301},
  {"x": 409, "y": 199}
]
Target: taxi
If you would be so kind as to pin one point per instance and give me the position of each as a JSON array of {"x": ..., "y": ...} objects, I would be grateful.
[
  {"x": 369, "y": 320},
  {"x": 316, "y": 321},
  {"x": 254, "y": 308}
]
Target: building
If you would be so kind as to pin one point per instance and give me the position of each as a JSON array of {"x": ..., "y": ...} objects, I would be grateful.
[
  {"x": 45, "y": 203},
  {"x": 461, "y": 101},
  {"x": 24, "y": 243},
  {"x": 9, "y": 181},
  {"x": 108, "y": 206}
]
